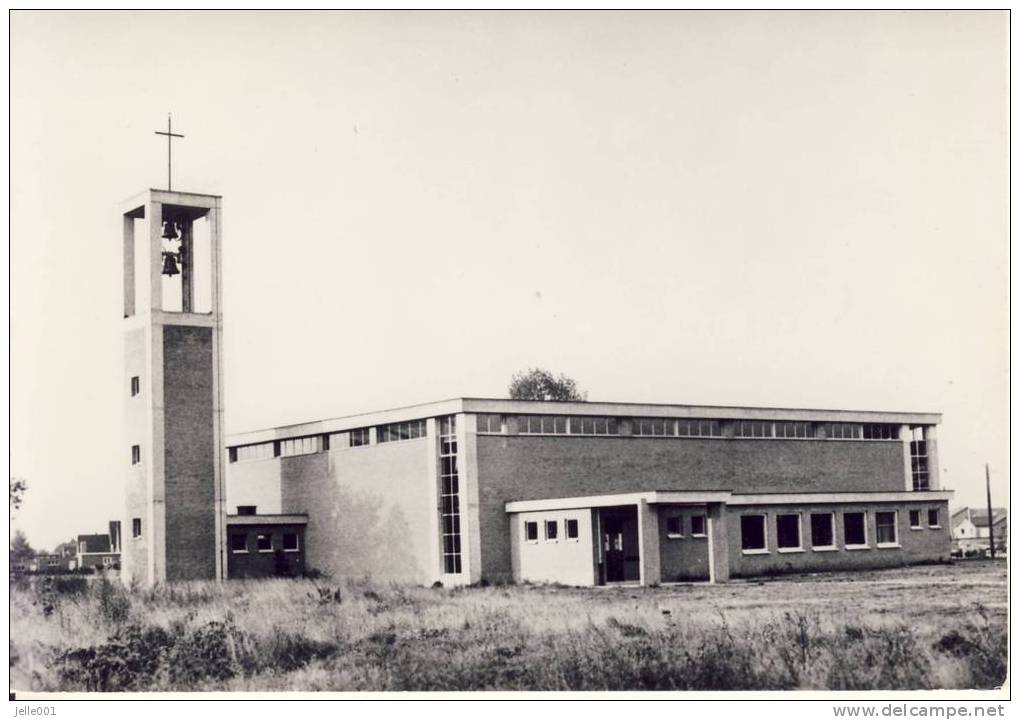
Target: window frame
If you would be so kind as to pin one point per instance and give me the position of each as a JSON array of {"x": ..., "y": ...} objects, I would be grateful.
[
  {"x": 136, "y": 454},
  {"x": 566, "y": 530},
  {"x": 136, "y": 528},
  {"x": 895, "y": 528},
  {"x": 269, "y": 537},
  {"x": 555, "y": 537},
  {"x": 832, "y": 532},
  {"x": 938, "y": 518},
  {"x": 534, "y": 523},
  {"x": 233, "y": 550},
  {"x": 764, "y": 550},
  {"x": 864, "y": 524},
  {"x": 680, "y": 526},
  {"x": 136, "y": 385},
  {"x": 910, "y": 519},
  {"x": 297, "y": 542},
  {"x": 799, "y": 547},
  {"x": 704, "y": 526}
]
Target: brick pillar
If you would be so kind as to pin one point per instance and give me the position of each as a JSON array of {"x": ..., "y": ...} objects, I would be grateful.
[
  {"x": 718, "y": 544},
  {"x": 648, "y": 539}
]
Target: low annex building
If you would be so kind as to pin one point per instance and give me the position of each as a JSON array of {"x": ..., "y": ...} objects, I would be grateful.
[{"x": 587, "y": 493}]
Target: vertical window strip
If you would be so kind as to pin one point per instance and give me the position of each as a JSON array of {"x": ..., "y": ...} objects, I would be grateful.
[{"x": 449, "y": 495}]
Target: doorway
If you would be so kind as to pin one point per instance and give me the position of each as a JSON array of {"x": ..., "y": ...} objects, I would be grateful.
[{"x": 621, "y": 555}]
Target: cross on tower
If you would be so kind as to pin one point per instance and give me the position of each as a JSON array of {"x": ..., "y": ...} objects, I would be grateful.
[{"x": 169, "y": 138}]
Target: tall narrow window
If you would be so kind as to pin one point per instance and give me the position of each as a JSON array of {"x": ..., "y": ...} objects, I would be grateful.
[
  {"x": 822, "y": 535},
  {"x": 449, "y": 494},
  {"x": 788, "y": 532},
  {"x": 571, "y": 529},
  {"x": 531, "y": 531},
  {"x": 933, "y": 518},
  {"x": 136, "y": 386},
  {"x": 919, "y": 459},
  {"x": 915, "y": 519},
  {"x": 136, "y": 527},
  {"x": 136, "y": 454},
  {"x": 552, "y": 530}
]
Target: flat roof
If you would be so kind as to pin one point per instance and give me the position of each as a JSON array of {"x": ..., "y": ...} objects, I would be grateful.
[
  {"x": 506, "y": 406},
  {"x": 292, "y": 519}
]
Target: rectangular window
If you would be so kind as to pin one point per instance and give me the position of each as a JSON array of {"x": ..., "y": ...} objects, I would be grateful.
[
  {"x": 136, "y": 454},
  {"x": 933, "y": 518},
  {"x": 752, "y": 534},
  {"x": 490, "y": 423},
  {"x": 919, "y": 459},
  {"x": 552, "y": 529},
  {"x": 697, "y": 526},
  {"x": 800, "y": 430},
  {"x": 571, "y": 529},
  {"x": 358, "y": 437},
  {"x": 531, "y": 531},
  {"x": 238, "y": 543},
  {"x": 411, "y": 430},
  {"x": 885, "y": 528},
  {"x": 259, "y": 451},
  {"x": 290, "y": 542},
  {"x": 136, "y": 386},
  {"x": 843, "y": 431},
  {"x": 823, "y": 537},
  {"x": 449, "y": 494},
  {"x": 654, "y": 427},
  {"x": 699, "y": 428},
  {"x": 752, "y": 429},
  {"x": 915, "y": 520},
  {"x": 136, "y": 527},
  {"x": 881, "y": 431},
  {"x": 675, "y": 526},
  {"x": 301, "y": 446},
  {"x": 788, "y": 532},
  {"x": 246, "y": 509},
  {"x": 855, "y": 531},
  {"x": 264, "y": 542},
  {"x": 563, "y": 425}
]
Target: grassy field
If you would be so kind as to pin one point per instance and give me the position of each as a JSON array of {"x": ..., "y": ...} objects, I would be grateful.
[{"x": 922, "y": 627}]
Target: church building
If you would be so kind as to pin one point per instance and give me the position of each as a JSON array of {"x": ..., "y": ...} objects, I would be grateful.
[{"x": 475, "y": 490}]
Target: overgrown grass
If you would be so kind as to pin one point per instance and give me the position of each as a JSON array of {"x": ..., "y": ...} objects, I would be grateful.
[{"x": 880, "y": 631}]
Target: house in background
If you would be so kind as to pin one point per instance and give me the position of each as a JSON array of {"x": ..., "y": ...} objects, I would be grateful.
[
  {"x": 95, "y": 551},
  {"x": 970, "y": 529}
]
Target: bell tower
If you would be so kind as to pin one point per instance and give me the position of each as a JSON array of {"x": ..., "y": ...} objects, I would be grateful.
[{"x": 173, "y": 389}]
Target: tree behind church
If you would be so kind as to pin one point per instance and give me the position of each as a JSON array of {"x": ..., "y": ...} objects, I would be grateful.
[{"x": 539, "y": 384}]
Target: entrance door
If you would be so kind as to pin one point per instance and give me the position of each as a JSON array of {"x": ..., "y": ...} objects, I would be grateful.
[{"x": 612, "y": 545}]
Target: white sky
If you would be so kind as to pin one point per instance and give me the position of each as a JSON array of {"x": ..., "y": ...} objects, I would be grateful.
[{"x": 785, "y": 209}]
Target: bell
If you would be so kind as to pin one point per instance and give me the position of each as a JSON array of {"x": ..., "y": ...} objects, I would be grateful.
[
  {"x": 169, "y": 230},
  {"x": 170, "y": 264}
]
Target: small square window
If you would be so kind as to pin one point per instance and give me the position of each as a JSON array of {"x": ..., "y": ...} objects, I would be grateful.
[
  {"x": 264, "y": 542},
  {"x": 675, "y": 526},
  {"x": 933, "y": 518},
  {"x": 238, "y": 543},
  {"x": 246, "y": 509},
  {"x": 570, "y": 527},
  {"x": 136, "y": 527},
  {"x": 290, "y": 542},
  {"x": 136, "y": 454},
  {"x": 697, "y": 526},
  {"x": 136, "y": 386},
  {"x": 552, "y": 529},
  {"x": 531, "y": 531},
  {"x": 915, "y": 519}
]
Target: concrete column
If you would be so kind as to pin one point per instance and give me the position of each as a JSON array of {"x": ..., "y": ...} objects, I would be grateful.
[
  {"x": 187, "y": 266},
  {"x": 129, "y": 266},
  {"x": 435, "y": 547},
  {"x": 154, "y": 211},
  {"x": 718, "y": 544},
  {"x": 932, "y": 446},
  {"x": 467, "y": 474},
  {"x": 648, "y": 543}
]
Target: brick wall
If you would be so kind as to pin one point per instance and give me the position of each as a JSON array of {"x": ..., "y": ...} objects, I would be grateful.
[
  {"x": 190, "y": 455},
  {"x": 369, "y": 509},
  {"x": 253, "y": 563},
  {"x": 924, "y": 545},
  {"x": 512, "y": 467},
  {"x": 682, "y": 558}
]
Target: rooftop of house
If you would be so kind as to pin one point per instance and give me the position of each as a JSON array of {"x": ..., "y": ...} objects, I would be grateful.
[
  {"x": 552, "y": 407},
  {"x": 979, "y": 516}
]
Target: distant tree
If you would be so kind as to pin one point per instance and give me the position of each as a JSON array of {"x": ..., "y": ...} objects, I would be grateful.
[
  {"x": 539, "y": 384},
  {"x": 18, "y": 488},
  {"x": 20, "y": 549}
]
